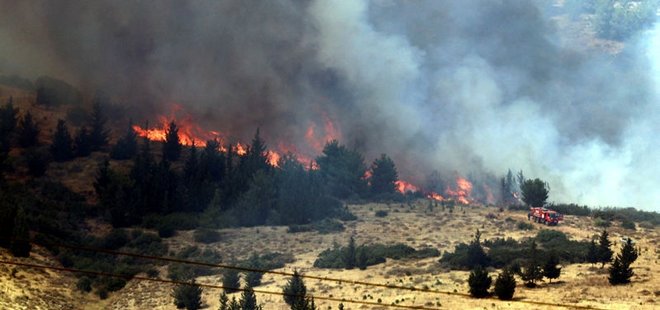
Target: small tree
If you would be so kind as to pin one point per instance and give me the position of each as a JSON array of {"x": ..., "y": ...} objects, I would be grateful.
[
  {"x": 535, "y": 192},
  {"x": 505, "y": 285},
  {"x": 172, "y": 146},
  {"x": 98, "y": 136},
  {"x": 249, "y": 300},
  {"x": 295, "y": 294},
  {"x": 349, "y": 254},
  {"x": 592, "y": 253},
  {"x": 83, "y": 144},
  {"x": 479, "y": 282},
  {"x": 188, "y": 296},
  {"x": 532, "y": 271},
  {"x": 28, "y": 131},
  {"x": 224, "y": 301},
  {"x": 253, "y": 278},
  {"x": 230, "y": 281},
  {"x": 61, "y": 147},
  {"x": 362, "y": 258},
  {"x": 604, "y": 250},
  {"x": 620, "y": 271},
  {"x": 126, "y": 146},
  {"x": 476, "y": 256},
  {"x": 550, "y": 270},
  {"x": 20, "y": 239}
]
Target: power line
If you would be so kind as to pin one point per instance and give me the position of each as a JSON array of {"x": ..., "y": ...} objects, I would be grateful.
[
  {"x": 211, "y": 286},
  {"x": 283, "y": 273}
]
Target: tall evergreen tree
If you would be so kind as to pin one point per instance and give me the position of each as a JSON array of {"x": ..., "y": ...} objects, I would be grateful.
[
  {"x": 295, "y": 293},
  {"x": 188, "y": 296},
  {"x": 592, "y": 253},
  {"x": 7, "y": 217},
  {"x": 230, "y": 281},
  {"x": 479, "y": 282},
  {"x": 20, "y": 239},
  {"x": 172, "y": 145},
  {"x": 61, "y": 148},
  {"x": 620, "y": 270},
  {"x": 224, "y": 301},
  {"x": 505, "y": 285},
  {"x": 361, "y": 259},
  {"x": 98, "y": 136},
  {"x": 212, "y": 161},
  {"x": 535, "y": 192},
  {"x": 253, "y": 278},
  {"x": 604, "y": 250},
  {"x": 28, "y": 131},
  {"x": 350, "y": 254},
  {"x": 256, "y": 156},
  {"x": 83, "y": 143},
  {"x": 476, "y": 256},
  {"x": 8, "y": 117},
  {"x": 127, "y": 146},
  {"x": 249, "y": 300},
  {"x": 550, "y": 269},
  {"x": 532, "y": 271},
  {"x": 342, "y": 170},
  {"x": 383, "y": 175}
]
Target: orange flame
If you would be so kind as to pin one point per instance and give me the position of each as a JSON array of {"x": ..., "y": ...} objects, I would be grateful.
[
  {"x": 462, "y": 191},
  {"x": 404, "y": 187},
  {"x": 435, "y": 196}
]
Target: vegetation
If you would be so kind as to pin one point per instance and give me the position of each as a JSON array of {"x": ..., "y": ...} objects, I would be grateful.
[
  {"x": 604, "y": 251},
  {"x": 188, "y": 296},
  {"x": 535, "y": 192},
  {"x": 295, "y": 294},
  {"x": 368, "y": 255},
  {"x": 62, "y": 146},
  {"x": 172, "y": 145},
  {"x": 230, "y": 280},
  {"x": 479, "y": 282},
  {"x": 505, "y": 285},
  {"x": 620, "y": 271},
  {"x": 28, "y": 131},
  {"x": 551, "y": 269},
  {"x": 127, "y": 146},
  {"x": 383, "y": 176},
  {"x": 98, "y": 136}
]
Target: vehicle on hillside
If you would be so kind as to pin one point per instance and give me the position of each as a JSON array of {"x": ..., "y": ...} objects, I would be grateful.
[{"x": 545, "y": 216}]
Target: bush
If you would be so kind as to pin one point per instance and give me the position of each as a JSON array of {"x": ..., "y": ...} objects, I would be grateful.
[
  {"x": 84, "y": 284},
  {"x": 599, "y": 222},
  {"x": 187, "y": 272},
  {"x": 166, "y": 230},
  {"x": 116, "y": 239},
  {"x": 381, "y": 213},
  {"x": 188, "y": 296},
  {"x": 206, "y": 235},
  {"x": 374, "y": 254},
  {"x": 326, "y": 226},
  {"x": 479, "y": 282},
  {"x": 628, "y": 225},
  {"x": 524, "y": 226},
  {"x": 505, "y": 285}
]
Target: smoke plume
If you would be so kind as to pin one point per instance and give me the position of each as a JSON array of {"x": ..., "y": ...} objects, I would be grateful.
[{"x": 474, "y": 87}]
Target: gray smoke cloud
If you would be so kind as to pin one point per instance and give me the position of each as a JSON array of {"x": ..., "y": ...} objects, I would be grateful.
[{"x": 472, "y": 86}]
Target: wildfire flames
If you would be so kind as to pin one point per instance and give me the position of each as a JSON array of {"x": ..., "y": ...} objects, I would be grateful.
[{"x": 191, "y": 134}]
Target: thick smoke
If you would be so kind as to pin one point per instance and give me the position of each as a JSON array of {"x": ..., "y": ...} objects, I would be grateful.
[{"x": 475, "y": 87}]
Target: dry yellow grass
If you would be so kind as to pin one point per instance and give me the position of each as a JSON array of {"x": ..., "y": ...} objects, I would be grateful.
[{"x": 579, "y": 284}]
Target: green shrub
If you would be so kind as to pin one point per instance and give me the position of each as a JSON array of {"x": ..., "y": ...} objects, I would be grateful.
[
  {"x": 374, "y": 254},
  {"x": 599, "y": 222},
  {"x": 381, "y": 213},
  {"x": 204, "y": 235},
  {"x": 628, "y": 225},
  {"x": 116, "y": 239},
  {"x": 524, "y": 226},
  {"x": 325, "y": 226},
  {"x": 84, "y": 284}
]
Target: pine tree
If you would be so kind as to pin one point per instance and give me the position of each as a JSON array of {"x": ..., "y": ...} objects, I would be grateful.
[
  {"x": 479, "y": 282},
  {"x": 126, "y": 146},
  {"x": 505, "y": 285},
  {"x": 349, "y": 254},
  {"x": 604, "y": 250},
  {"x": 61, "y": 148},
  {"x": 362, "y": 258},
  {"x": 550, "y": 270},
  {"x": 8, "y": 116},
  {"x": 341, "y": 306},
  {"x": 592, "y": 253},
  {"x": 249, "y": 300},
  {"x": 295, "y": 292},
  {"x": 83, "y": 144},
  {"x": 230, "y": 281},
  {"x": 28, "y": 131},
  {"x": 532, "y": 271},
  {"x": 234, "y": 305},
  {"x": 224, "y": 301},
  {"x": 20, "y": 239},
  {"x": 535, "y": 192},
  {"x": 253, "y": 278},
  {"x": 476, "y": 256},
  {"x": 383, "y": 175},
  {"x": 98, "y": 136},
  {"x": 188, "y": 296},
  {"x": 172, "y": 145},
  {"x": 620, "y": 270}
]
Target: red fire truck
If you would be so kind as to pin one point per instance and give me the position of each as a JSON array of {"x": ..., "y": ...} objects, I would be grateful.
[{"x": 545, "y": 216}]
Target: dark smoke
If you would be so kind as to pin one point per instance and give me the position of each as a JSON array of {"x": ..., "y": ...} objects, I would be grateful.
[{"x": 474, "y": 86}]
